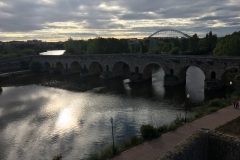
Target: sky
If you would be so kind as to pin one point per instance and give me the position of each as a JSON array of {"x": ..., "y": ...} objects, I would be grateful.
[{"x": 57, "y": 20}]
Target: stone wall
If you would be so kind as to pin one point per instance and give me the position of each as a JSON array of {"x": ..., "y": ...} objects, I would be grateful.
[
  {"x": 206, "y": 145},
  {"x": 223, "y": 147}
]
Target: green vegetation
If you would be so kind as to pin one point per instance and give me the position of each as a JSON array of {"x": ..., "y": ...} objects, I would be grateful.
[
  {"x": 96, "y": 46},
  {"x": 148, "y": 132},
  {"x": 100, "y": 45},
  {"x": 209, "y": 45},
  {"x": 18, "y": 50},
  {"x": 228, "y": 46}
]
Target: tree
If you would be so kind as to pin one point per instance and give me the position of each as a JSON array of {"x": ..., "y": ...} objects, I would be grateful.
[
  {"x": 28, "y": 52},
  {"x": 175, "y": 50},
  {"x": 75, "y": 46},
  {"x": 193, "y": 43},
  {"x": 211, "y": 41},
  {"x": 228, "y": 46},
  {"x": 184, "y": 44}
]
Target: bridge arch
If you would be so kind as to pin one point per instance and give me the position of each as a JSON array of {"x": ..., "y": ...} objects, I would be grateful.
[
  {"x": 46, "y": 65},
  {"x": 182, "y": 75},
  {"x": 75, "y": 65},
  {"x": 150, "y": 69},
  {"x": 59, "y": 66},
  {"x": 172, "y": 30},
  {"x": 121, "y": 68},
  {"x": 95, "y": 68}
]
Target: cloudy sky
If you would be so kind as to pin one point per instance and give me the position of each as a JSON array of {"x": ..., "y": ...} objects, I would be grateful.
[{"x": 57, "y": 20}]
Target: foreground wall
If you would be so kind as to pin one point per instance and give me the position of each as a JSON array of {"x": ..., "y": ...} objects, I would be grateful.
[{"x": 206, "y": 145}]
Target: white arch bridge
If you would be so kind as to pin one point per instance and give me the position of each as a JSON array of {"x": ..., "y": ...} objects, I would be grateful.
[
  {"x": 140, "y": 67},
  {"x": 168, "y": 32}
]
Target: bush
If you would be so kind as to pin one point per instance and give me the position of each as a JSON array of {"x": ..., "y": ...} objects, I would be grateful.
[
  {"x": 212, "y": 109},
  {"x": 129, "y": 142},
  {"x": 219, "y": 103},
  {"x": 175, "y": 50},
  {"x": 162, "y": 129},
  {"x": 148, "y": 132},
  {"x": 106, "y": 153},
  {"x": 35, "y": 66}
]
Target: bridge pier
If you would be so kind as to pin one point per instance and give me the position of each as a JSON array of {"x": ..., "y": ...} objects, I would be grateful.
[
  {"x": 136, "y": 77},
  {"x": 213, "y": 84},
  {"x": 66, "y": 72},
  {"x": 84, "y": 72},
  {"x": 171, "y": 80},
  {"x": 53, "y": 70},
  {"x": 107, "y": 75}
]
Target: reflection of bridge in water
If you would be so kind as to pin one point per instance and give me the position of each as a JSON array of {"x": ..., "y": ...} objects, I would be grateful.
[{"x": 140, "y": 67}]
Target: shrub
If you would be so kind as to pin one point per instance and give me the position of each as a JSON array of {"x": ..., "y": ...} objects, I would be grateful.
[
  {"x": 162, "y": 129},
  {"x": 217, "y": 103},
  {"x": 134, "y": 140},
  {"x": 108, "y": 152},
  {"x": 148, "y": 132},
  {"x": 126, "y": 144},
  {"x": 212, "y": 109}
]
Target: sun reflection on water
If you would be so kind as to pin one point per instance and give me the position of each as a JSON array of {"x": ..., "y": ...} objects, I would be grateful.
[
  {"x": 64, "y": 118},
  {"x": 68, "y": 118}
]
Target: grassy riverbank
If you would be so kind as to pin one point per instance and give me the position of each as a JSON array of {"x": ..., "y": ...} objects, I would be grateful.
[{"x": 149, "y": 132}]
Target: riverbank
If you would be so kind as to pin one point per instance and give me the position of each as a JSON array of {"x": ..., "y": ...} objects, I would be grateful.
[
  {"x": 4, "y": 76},
  {"x": 152, "y": 132},
  {"x": 158, "y": 147}
]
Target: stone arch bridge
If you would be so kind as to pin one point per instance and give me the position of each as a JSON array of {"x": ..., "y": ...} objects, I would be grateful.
[{"x": 140, "y": 67}]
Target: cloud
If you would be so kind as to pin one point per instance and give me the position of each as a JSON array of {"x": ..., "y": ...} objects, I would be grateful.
[{"x": 24, "y": 19}]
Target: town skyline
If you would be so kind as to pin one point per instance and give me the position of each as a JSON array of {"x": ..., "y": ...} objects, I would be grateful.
[{"x": 57, "y": 20}]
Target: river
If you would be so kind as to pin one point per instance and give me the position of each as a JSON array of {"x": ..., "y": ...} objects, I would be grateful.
[{"x": 44, "y": 115}]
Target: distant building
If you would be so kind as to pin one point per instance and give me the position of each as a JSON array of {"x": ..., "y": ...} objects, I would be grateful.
[{"x": 134, "y": 41}]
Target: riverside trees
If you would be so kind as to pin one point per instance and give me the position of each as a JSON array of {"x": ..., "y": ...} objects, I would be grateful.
[
  {"x": 99, "y": 45},
  {"x": 228, "y": 46}
]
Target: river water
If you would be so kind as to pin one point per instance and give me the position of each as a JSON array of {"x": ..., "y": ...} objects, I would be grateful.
[{"x": 44, "y": 115}]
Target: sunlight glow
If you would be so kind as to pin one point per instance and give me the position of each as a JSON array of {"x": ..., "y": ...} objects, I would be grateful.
[
  {"x": 68, "y": 118},
  {"x": 65, "y": 117}
]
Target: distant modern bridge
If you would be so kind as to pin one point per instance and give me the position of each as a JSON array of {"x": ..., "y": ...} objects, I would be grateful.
[{"x": 170, "y": 32}]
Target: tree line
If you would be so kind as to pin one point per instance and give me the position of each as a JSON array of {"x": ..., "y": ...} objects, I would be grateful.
[
  {"x": 209, "y": 45},
  {"x": 99, "y": 45},
  {"x": 228, "y": 45},
  {"x": 17, "y": 50}
]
